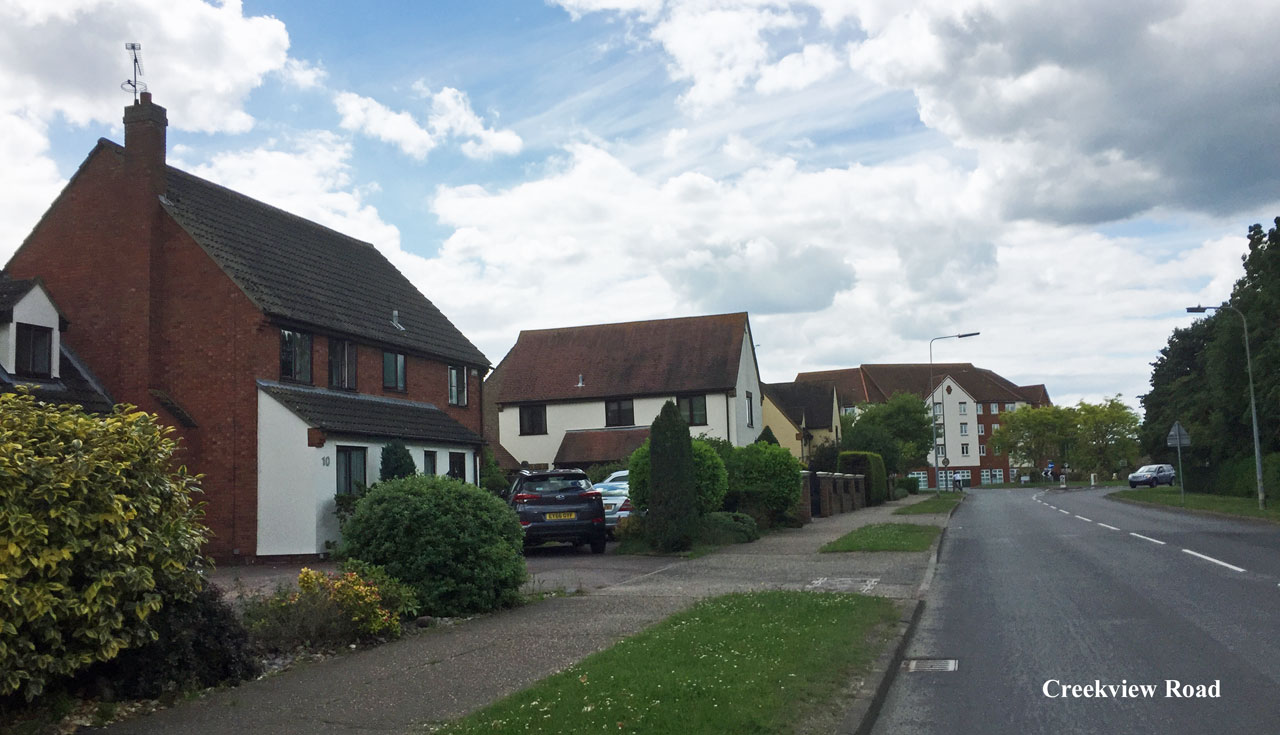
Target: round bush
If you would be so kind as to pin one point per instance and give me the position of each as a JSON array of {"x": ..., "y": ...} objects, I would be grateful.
[
  {"x": 459, "y": 548},
  {"x": 764, "y": 478},
  {"x": 100, "y": 533},
  {"x": 710, "y": 479}
]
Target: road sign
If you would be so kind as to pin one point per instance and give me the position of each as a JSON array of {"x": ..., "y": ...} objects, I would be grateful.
[
  {"x": 946, "y": 462},
  {"x": 1051, "y": 464},
  {"x": 1178, "y": 436}
]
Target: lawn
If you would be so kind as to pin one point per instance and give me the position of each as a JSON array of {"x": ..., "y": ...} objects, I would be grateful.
[
  {"x": 886, "y": 537},
  {"x": 939, "y": 504},
  {"x": 1226, "y": 504},
  {"x": 742, "y": 663}
]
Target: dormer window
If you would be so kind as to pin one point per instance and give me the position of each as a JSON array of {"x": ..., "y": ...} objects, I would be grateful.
[{"x": 35, "y": 351}]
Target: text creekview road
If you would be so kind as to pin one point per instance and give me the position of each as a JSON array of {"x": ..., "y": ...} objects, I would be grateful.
[{"x": 1173, "y": 689}]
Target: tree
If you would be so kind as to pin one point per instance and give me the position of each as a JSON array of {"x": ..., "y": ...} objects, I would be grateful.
[
  {"x": 396, "y": 462},
  {"x": 767, "y": 436},
  {"x": 898, "y": 430},
  {"x": 491, "y": 475},
  {"x": 1106, "y": 436},
  {"x": 672, "y": 506},
  {"x": 1034, "y": 436}
]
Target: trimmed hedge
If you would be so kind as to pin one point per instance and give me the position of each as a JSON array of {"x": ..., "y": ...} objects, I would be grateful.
[
  {"x": 871, "y": 465},
  {"x": 764, "y": 481},
  {"x": 673, "y": 510},
  {"x": 710, "y": 478},
  {"x": 460, "y": 548},
  {"x": 100, "y": 533}
]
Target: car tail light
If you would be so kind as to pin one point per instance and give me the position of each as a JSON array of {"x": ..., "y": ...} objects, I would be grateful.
[
  {"x": 590, "y": 494},
  {"x": 525, "y": 497},
  {"x": 526, "y": 523},
  {"x": 626, "y": 505}
]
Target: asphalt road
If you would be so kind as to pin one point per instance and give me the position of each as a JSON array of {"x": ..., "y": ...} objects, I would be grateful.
[{"x": 1045, "y": 589}]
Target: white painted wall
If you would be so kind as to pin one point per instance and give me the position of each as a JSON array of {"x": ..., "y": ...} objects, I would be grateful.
[
  {"x": 953, "y": 418},
  {"x": 34, "y": 308},
  {"x": 748, "y": 381},
  {"x": 297, "y": 483}
]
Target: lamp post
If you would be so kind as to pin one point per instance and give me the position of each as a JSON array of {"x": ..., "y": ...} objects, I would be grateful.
[
  {"x": 1253, "y": 407},
  {"x": 933, "y": 420}
]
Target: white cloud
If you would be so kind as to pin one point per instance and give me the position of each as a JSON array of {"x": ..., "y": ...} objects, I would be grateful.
[
  {"x": 798, "y": 70},
  {"x": 372, "y": 118},
  {"x": 451, "y": 117},
  {"x": 24, "y": 148},
  {"x": 303, "y": 74}
]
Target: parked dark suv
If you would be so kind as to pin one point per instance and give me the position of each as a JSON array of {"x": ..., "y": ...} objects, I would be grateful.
[{"x": 558, "y": 505}]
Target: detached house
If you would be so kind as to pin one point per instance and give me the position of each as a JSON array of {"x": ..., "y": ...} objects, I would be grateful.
[
  {"x": 578, "y": 396},
  {"x": 802, "y": 414},
  {"x": 284, "y": 353},
  {"x": 966, "y": 401}
]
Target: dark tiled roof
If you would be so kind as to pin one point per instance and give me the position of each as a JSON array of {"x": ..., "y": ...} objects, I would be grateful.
[
  {"x": 12, "y": 291},
  {"x": 75, "y": 384},
  {"x": 596, "y": 446},
  {"x": 359, "y": 414},
  {"x": 659, "y": 357},
  {"x": 297, "y": 270},
  {"x": 1036, "y": 395},
  {"x": 805, "y": 403},
  {"x": 851, "y": 384}
]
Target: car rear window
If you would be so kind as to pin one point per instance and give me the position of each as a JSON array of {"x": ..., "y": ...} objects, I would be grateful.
[{"x": 554, "y": 484}]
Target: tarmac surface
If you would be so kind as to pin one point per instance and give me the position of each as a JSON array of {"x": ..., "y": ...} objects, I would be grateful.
[{"x": 445, "y": 672}]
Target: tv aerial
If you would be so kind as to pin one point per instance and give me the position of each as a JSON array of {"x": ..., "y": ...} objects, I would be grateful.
[{"x": 133, "y": 85}]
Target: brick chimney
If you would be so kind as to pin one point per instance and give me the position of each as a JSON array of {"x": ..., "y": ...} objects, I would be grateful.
[{"x": 144, "y": 143}]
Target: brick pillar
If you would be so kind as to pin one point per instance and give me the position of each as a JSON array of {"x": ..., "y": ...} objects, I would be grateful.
[{"x": 804, "y": 508}]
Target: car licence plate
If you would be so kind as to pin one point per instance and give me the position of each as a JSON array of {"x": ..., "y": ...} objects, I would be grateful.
[
  {"x": 561, "y": 516},
  {"x": 610, "y": 506}
]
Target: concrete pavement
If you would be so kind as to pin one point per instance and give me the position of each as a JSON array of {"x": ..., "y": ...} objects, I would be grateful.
[{"x": 444, "y": 673}]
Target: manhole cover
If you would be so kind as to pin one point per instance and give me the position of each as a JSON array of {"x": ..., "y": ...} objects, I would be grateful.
[{"x": 930, "y": 664}]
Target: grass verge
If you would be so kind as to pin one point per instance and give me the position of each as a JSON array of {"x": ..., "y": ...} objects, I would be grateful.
[
  {"x": 1224, "y": 504},
  {"x": 741, "y": 663},
  {"x": 886, "y": 537},
  {"x": 939, "y": 504}
]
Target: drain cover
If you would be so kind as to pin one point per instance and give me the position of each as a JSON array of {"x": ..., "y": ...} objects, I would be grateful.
[{"x": 930, "y": 664}]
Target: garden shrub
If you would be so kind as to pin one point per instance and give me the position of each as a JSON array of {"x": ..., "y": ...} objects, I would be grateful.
[
  {"x": 598, "y": 472},
  {"x": 459, "y": 548},
  {"x": 871, "y": 465},
  {"x": 766, "y": 437},
  {"x": 910, "y": 484},
  {"x": 721, "y": 528},
  {"x": 764, "y": 481},
  {"x": 710, "y": 479},
  {"x": 201, "y": 643},
  {"x": 492, "y": 477},
  {"x": 396, "y": 462},
  {"x": 398, "y": 598},
  {"x": 325, "y": 611},
  {"x": 723, "y": 447},
  {"x": 99, "y": 531},
  {"x": 673, "y": 509}
]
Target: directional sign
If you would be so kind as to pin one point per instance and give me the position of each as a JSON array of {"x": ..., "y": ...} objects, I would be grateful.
[{"x": 1178, "y": 436}]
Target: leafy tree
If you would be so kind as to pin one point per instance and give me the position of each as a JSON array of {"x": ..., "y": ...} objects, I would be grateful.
[
  {"x": 492, "y": 477},
  {"x": 1106, "y": 436},
  {"x": 1035, "y": 435},
  {"x": 898, "y": 430},
  {"x": 767, "y": 436},
  {"x": 397, "y": 462},
  {"x": 875, "y": 437},
  {"x": 672, "y": 506}
]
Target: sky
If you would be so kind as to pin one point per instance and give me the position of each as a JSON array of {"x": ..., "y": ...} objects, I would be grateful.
[{"x": 859, "y": 175}]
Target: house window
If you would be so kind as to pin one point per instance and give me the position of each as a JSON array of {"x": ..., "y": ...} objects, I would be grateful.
[
  {"x": 982, "y": 429},
  {"x": 619, "y": 413},
  {"x": 533, "y": 420},
  {"x": 457, "y": 386},
  {"x": 393, "y": 370},
  {"x": 1009, "y": 407},
  {"x": 295, "y": 356},
  {"x": 751, "y": 411},
  {"x": 964, "y": 408},
  {"x": 937, "y": 408},
  {"x": 351, "y": 470},
  {"x": 986, "y": 477},
  {"x": 995, "y": 408},
  {"x": 982, "y": 450},
  {"x": 964, "y": 450},
  {"x": 35, "y": 351},
  {"x": 693, "y": 409},
  {"x": 458, "y": 465},
  {"x": 342, "y": 364},
  {"x": 964, "y": 428},
  {"x": 978, "y": 408},
  {"x": 997, "y": 476},
  {"x": 429, "y": 462},
  {"x": 995, "y": 428}
]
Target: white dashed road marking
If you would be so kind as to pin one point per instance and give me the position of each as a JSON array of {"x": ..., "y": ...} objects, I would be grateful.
[
  {"x": 1113, "y": 528},
  {"x": 1062, "y": 511},
  {"x": 1232, "y": 567},
  {"x": 1084, "y": 519},
  {"x": 1147, "y": 538}
]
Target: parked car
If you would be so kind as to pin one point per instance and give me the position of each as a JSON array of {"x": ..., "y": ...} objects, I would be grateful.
[
  {"x": 616, "y": 491},
  {"x": 1152, "y": 474},
  {"x": 559, "y": 505}
]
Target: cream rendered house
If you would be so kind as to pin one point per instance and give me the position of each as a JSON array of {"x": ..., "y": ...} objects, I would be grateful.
[{"x": 802, "y": 415}]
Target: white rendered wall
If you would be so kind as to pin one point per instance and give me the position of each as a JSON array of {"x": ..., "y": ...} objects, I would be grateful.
[
  {"x": 35, "y": 308},
  {"x": 748, "y": 381},
  {"x": 951, "y": 410},
  {"x": 297, "y": 483}
]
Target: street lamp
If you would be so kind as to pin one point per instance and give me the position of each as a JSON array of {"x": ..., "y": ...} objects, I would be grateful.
[
  {"x": 1253, "y": 407},
  {"x": 933, "y": 421}
]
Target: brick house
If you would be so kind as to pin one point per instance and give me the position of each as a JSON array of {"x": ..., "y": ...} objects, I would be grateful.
[
  {"x": 577, "y": 396},
  {"x": 284, "y": 353},
  {"x": 967, "y": 402}
]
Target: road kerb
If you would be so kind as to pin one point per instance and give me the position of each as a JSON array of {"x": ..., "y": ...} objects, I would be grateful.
[{"x": 861, "y": 717}]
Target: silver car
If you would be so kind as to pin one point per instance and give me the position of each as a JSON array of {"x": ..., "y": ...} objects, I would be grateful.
[
  {"x": 1153, "y": 474},
  {"x": 617, "y": 505}
]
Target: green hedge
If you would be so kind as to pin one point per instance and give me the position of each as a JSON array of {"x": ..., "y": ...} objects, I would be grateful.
[
  {"x": 764, "y": 481},
  {"x": 710, "y": 479},
  {"x": 1236, "y": 477},
  {"x": 871, "y": 465}
]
